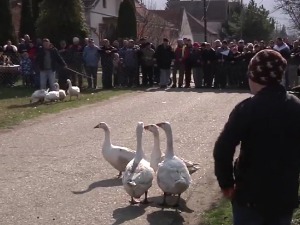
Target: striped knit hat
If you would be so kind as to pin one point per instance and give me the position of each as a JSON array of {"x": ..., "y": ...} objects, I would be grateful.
[{"x": 267, "y": 67}]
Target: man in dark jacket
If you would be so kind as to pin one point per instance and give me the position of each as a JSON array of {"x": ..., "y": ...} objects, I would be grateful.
[
  {"x": 47, "y": 59},
  {"x": 164, "y": 56},
  {"x": 263, "y": 184}
]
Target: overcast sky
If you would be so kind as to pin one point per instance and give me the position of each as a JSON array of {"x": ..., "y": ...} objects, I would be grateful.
[{"x": 269, "y": 4}]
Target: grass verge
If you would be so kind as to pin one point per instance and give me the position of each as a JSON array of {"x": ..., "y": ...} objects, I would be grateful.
[
  {"x": 222, "y": 215},
  {"x": 15, "y": 107}
]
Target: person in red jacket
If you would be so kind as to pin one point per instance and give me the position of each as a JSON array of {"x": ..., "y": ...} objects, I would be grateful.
[{"x": 178, "y": 64}]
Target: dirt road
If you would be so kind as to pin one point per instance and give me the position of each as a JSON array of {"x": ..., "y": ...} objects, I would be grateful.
[{"x": 52, "y": 170}]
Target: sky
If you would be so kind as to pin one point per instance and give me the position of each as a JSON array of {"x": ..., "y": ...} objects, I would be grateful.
[{"x": 268, "y": 4}]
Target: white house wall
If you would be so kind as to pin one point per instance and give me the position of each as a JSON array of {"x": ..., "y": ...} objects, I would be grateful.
[
  {"x": 98, "y": 13},
  {"x": 186, "y": 31}
]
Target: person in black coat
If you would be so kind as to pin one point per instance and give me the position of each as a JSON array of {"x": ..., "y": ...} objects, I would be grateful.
[
  {"x": 106, "y": 53},
  {"x": 263, "y": 183},
  {"x": 164, "y": 56}
]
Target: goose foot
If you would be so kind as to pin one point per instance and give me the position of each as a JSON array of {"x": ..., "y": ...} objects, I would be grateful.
[
  {"x": 133, "y": 201},
  {"x": 164, "y": 203},
  {"x": 119, "y": 175},
  {"x": 177, "y": 202},
  {"x": 145, "y": 201}
]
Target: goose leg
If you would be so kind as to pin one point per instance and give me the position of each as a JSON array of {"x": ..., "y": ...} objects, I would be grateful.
[
  {"x": 177, "y": 202},
  {"x": 164, "y": 203},
  {"x": 146, "y": 199},
  {"x": 119, "y": 175},
  {"x": 133, "y": 201}
]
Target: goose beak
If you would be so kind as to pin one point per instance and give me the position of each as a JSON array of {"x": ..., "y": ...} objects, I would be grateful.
[
  {"x": 146, "y": 127},
  {"x": 98, "y": 126},
  {"x": 159, "y": 124}
]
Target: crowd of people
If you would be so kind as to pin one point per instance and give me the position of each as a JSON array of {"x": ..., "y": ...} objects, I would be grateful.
[{"x": 220, "y": 64}]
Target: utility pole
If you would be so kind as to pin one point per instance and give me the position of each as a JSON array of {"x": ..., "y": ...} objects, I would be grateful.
[
  {"x": 242, "y": 18},
  {"x": 205, "y": 20}
]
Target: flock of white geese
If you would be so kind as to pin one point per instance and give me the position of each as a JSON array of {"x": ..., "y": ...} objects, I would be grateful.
[{"x": 173, "y": 173}]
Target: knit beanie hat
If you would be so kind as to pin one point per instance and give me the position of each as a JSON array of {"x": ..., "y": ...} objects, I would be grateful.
[{"x": 267, "y": 67}]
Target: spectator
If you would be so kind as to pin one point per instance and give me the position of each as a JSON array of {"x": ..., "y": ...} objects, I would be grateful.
[
  {"x": 164, "y": 56},
  {"x": 47, "y": 60},
  {"x": 130, "y": 62},
  {"x": 27, "y": 70},
  {"x": 76, "y": 62},
  {"x": 91, "y": 58},
  {"x": 196, "y": 62},
  {"x": 147, "y": 64},
  {"x": 178, "y": 64},
  {"x": 106, "y": 53}
]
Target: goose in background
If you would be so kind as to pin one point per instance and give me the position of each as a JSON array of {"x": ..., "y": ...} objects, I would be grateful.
[
  {"x": 72, "y": 90},
  {"x": 117, "y": 156}
]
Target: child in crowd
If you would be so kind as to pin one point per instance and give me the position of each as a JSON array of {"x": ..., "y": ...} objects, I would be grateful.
[{"x": 26, "y": 69}]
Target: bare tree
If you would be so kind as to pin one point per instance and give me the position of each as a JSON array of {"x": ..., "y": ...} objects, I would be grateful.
[
  {"x": 292, "y": 9},
  {"x": 153, "y": 26}
]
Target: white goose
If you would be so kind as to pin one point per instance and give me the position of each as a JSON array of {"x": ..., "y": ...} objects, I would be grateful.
[
  {"x": 157, "y": 156},
  {"x": 72, "y": 90},
  {"x": 172, "y": 175},
  {"x": 61, "y": 92},
  {"x": 117, "y": 156},
  {"x": 138, "y": 176},
  {"x": 38, "y": 96}
]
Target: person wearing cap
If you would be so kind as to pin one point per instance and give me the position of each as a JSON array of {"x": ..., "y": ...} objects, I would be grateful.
[
  {"x": 47, "y": 60},
  {"x": 263, "y": 182}
]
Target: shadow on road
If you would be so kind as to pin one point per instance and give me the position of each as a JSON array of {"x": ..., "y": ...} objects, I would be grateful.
[
  {"x": 165, "y": 218},
  {"x": 121, "y": 215},
  {"x": 113, "y": 182},
  {"x": 171, "y": 200}
]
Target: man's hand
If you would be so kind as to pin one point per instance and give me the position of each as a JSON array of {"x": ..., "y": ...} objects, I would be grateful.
[{"x": 228, "y": 193}]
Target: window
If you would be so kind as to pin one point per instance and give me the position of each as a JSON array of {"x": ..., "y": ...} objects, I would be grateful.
[{"x": 104, "y": 3}]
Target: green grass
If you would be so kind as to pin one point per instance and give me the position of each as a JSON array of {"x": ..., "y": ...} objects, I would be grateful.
[
  {"x": 15, "y": 107},
  {"x": 222, "y": 215}
]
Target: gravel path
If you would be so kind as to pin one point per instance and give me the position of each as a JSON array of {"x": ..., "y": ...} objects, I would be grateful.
[{"x": 52, "y": 170}]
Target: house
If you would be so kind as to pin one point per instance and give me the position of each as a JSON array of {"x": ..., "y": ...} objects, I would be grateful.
[
  {"x": 217, "y": 13},
  {"x": 190, "y": 27},
  {"x": 101, "y": 18}
]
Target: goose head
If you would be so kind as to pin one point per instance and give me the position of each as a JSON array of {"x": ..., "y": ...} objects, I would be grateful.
[
  {"x": 56, "y": 86},
  {"x": 152, "y": 128},
  {"x": 102, "y": 125},
  {"x": 166, "y": 126}
]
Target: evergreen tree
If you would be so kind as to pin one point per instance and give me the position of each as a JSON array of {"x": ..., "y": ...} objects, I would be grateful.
[
  {"x": 35, "y": 5},
  {"x": 251, "y": 23},
  {"x": 283, "y": 32},
  {"x": 27, "y": 24},
  {"x": 61, "y": 20},
  {"x": 127, "y": 27},
  {"x": 7, "y": 28}
]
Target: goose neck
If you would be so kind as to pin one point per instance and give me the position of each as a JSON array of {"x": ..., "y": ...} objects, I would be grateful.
[
  {"x": 107, "y": 140},
  {"x": 157, "y": 144},
  {"x": 139, "y": 147},
  {"x": 170, "y": 150}
]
